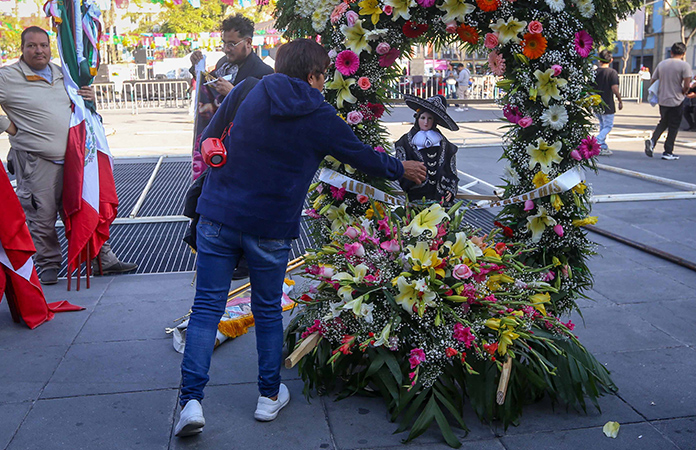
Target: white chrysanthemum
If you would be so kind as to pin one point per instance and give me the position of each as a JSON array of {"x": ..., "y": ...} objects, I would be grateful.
[
  {"x": 555, "y": 117},
  {"x": 556, "y": 5},
  {"x": 511, "y": 175},
  {"x": 586, "y": 8}
]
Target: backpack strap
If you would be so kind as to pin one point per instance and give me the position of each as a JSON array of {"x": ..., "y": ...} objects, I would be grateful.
[{"x": 246, "y": 87}]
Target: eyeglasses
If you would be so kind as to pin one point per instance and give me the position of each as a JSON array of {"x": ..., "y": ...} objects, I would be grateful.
[{"x": 231, "y": 44}]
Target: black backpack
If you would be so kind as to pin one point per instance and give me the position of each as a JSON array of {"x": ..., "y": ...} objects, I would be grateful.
[{"x": 194, "y": 191}]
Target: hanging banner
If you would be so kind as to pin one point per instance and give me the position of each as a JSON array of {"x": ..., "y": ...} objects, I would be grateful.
[{"x": 564, "y": 182}]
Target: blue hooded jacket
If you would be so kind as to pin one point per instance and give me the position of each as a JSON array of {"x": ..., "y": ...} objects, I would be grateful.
[{"x": 281, "y": 133}]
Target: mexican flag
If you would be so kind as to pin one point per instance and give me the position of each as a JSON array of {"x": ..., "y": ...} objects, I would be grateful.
[{"x": 89, "y": 192}]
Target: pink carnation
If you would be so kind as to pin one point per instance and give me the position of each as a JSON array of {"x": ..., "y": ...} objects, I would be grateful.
[
  {"x": 491, "y": 40},
  {"x": 354, "y": 117},
  {"x": 583, "y": 43},
  {"x": 347, "y": 62},
  {"x": 417, "y": 356},
  {"x": 463, "y": 334},
  {"x": 382, "y": 48},
  {"x": 535, "y": 27},
  {"x": 364, "y": 83}
]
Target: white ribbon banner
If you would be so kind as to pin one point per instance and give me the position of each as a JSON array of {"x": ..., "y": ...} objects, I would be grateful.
[{"x": 564, "y": 182}]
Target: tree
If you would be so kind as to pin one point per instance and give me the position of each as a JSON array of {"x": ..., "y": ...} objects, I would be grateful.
[{"x": 685, "y": 12}]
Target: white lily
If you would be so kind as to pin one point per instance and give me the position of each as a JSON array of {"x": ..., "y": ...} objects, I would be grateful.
[{"x": 427, "y": 220}]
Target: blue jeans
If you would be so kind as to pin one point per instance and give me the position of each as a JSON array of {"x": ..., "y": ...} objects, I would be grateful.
[
  {"x": 606, "y": 123},
  {"x": 219, "y": 249}
]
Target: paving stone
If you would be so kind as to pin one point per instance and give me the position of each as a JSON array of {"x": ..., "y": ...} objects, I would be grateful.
[
  {"x": 639, "y": 285},
  {"x": 110, "y": 367},
  {"x": 25, "y": 371},
  {"x": 674, "y": 318},
  {"x": 363, "y": 422},
  {"x": 485, "y": 444},
  {"x": 60, "y": 331},
  {"x": 11, "y": 416},
  {"x": 618, "y": 328},
  {"x": 117, "y": 421},
  {"x": 543, "y": 416},
  {"x": 132, "y": 320},
  {"x": 680, "y": 431},
  {"x": 595, "y": 300},
  {"x": 84, "y": 297},
  {"x": 230, "y": 423},
  {"x": 155, "y": 286},
  {"x": 631, "y": 437},
  {"x": 659, "y": 384}
]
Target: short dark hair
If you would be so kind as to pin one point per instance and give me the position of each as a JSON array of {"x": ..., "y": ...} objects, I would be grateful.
[
  {"x": 240, "y": 24},
  {"x": 33, "y": 29},
  {"x": 605, "y": 56},
  {"x": 300, "y": 58},
  {"x": 460, "y": 65},
  {"x": 678, "y": 48}
]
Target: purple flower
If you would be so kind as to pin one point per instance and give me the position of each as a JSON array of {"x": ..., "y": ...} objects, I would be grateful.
[
  {"x": 347, "y": 62},
  {"x": 426, "y": 3},
  {"x": 388, "y": 58},
  {"x": 583, "y": 43},
  {"x": 382, "y": 48}
]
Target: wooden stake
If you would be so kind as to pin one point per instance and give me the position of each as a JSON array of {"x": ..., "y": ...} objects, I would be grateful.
[
  {"x": 503, "y": 383},
  {"x": 292, "y": 265},
  {"x": 305, "y": 347}
]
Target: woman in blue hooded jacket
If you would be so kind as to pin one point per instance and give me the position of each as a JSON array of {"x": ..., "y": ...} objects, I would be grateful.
[{"x": 252, "y": 205}]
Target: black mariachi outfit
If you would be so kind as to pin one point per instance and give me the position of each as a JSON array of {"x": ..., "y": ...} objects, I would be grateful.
[{"x": 440, "y": 163}]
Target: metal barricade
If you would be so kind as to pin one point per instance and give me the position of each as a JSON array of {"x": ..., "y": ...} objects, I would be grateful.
[
  {"x": 631, "y": 86},
  {"x": 137, "y": 95},
  {"x": 482, "y": 87}
]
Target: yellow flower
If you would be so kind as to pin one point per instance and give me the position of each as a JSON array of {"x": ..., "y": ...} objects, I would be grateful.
[
  {"x": 424, "y": 258},
  {"x": 538, "y": 300},
  {"x": 540, "y": 179},
  {"x": 338, "y": 216},
  {"x": 464, "y": 247},
  {"x": 509, "y": 30},
  {"x": 493, "y": 324},
  {"x": 343, "y": 88},
  {"x": 356, "y": 38},
  {"x": 548, "y": 85},
  {"x": 580, "y": 188},
  {"x": 410, "y": 293},
  {"x": 538, "y": 223},
  {"x": 591, "y": 220},
  {"x": 370, "y": 213},
  {"x": 556, "y": 201},
  {"x": 427, "y": 220},
  {"x": 544, "y": 154},
  {"x": 506, "y": 338},
  {"x": 400, "y": 8},
  {"x": 318, "y": 200},
  {"x": 455, "y": 10},
  {"x": 370, "y": 8}
]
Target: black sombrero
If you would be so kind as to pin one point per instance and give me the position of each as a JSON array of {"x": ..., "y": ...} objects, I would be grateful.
[{"x": 436, "y": 105}]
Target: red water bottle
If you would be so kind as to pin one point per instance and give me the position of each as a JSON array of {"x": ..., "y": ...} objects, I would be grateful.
[{"x": 214, "y": 152}]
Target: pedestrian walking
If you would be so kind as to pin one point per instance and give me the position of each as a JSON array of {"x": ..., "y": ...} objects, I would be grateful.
[
  {"x": 674, "y": 75},
  {"x": 607, "y": 82},
  {"x": 463, "y": 76}
]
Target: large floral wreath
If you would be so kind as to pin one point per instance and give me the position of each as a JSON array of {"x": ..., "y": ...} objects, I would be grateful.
[{"x": 400, "y": 306}]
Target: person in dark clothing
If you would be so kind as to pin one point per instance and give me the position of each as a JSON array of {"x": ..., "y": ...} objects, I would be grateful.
[
  {"x": 251, "y": 206},
  {"x": 425, "y": 143},
  {"x": 690, "y": 106},
  {"x": 607, "y": 82}
]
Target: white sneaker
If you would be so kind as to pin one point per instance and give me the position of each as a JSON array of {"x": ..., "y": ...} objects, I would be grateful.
[
  {"x": 466, "y": 109},
  {"x": 669, "y": 157},
  {"x": 459, "y": 109},
  {"x": 191, "y": 419},
  {"x": 267, "y": 409}
]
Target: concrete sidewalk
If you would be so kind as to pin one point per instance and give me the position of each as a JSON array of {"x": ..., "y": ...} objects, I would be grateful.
[{"x": 107, "y": 377}]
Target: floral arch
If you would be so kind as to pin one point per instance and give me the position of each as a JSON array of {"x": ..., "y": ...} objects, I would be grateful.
[{"x": 541, "y": 50}]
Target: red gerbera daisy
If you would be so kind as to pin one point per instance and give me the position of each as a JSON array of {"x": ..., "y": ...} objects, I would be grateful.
[
  {"x": 533, "y": 45},
  {"x": 413, "y": 29},
  {"x": 488, "y": 5},
  {"x": 468, "y": 34}
]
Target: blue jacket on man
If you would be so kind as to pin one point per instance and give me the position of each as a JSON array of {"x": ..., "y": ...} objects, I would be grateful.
[{"x": 281, "y": 133}]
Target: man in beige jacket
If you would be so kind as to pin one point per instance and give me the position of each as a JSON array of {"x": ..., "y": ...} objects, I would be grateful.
[{"x": 38, "y": 111}]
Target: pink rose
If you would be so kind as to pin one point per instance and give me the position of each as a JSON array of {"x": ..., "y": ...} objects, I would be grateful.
[
  {"x": 529, "y": 205},
  {"x": 387, "y": 10},
  {"x": 491, "y": 40},
  {"x": 451, "y": 27},
  {"x": 326, "y": 272},
  {"x": 390, "y": 246},
  {"x": 351, "y": 18},
  {"x": 354, "y": 117},
  {"x": 354, "y": 249},
  {"x": 535, "y": 27},
  {"x": 558, "y": 229},
  {"x": 382, "y": 48},
  {"x": 575, "y": 154},
  {"x": 557, "y": 70},
  {"x": 352, "y": 232},
  {"x": 461, "y": 272},
  {"x": 332, "y": 54},
  {"x": 525, "y": 122},
  {"x": 362, "y": 198},
  {"x": 364, "y": 83}
]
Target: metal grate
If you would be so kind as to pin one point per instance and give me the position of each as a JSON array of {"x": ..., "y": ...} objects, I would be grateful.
[
  {"x": 480, "y": 218},
  {"x": 166, "y": 197},
  {"x": 130, "y": 180}
]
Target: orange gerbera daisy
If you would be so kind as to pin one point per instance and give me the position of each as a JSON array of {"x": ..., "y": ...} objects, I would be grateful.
[
  {"x": 488, "y": 5},
  {"x": 533, "y": 45},
  {"x": 468, "y": 34}
]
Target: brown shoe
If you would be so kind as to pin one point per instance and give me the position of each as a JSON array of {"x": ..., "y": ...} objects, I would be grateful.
[{"x": 117, "y": 267}]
